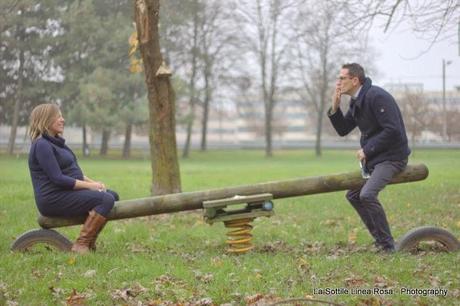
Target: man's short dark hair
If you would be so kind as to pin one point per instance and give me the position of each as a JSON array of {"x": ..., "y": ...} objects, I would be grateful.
[{"x": 355, "y": 70}]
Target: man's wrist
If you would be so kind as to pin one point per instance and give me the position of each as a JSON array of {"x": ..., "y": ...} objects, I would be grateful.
[{"x": 333, "y": 110}]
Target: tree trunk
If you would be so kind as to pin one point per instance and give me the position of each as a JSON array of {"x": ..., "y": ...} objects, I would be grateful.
[
  {"x": 204, "y": 120},
  {"x": 127, "y": 144},
  {"x": 270, "y": 97},
  {"x": 85, "y": 147},
  {"x": 412, "y": 140},
  {"x": 322, "y": 99},
  {"x": 188, "y": 137},
  {"x": 162, "y": 134},
  {"x": 17, "y": 105},
  {"x": 319, "y": 122},
  {"x": 268, "y": 112},
  {"x": 268, "y": 131},
  {"x": 319, "y": 129},
  {"x": 104, "y": 142},
  {"x": 192, "y": 86},
  {"x": 14, "y": 126}
]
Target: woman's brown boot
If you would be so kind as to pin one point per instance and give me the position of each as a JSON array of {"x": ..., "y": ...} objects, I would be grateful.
[
  {"x": 88, "y": 234},
  {"x": 92, "y": 243}
]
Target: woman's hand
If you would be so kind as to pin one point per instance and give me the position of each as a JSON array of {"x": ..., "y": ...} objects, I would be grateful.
[
  {"x": 103, "y": 186},
  {"x": 96, "y": 186},
  {"x": 100, "y": 187}
]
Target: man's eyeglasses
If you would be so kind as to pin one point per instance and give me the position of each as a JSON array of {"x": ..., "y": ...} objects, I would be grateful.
[{"x": 341, "y": 78}]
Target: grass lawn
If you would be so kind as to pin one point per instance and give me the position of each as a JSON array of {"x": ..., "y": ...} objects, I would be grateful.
[{"x": 312, "y": 242}]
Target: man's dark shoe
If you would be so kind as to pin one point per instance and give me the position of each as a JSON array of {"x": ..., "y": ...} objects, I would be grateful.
[
  {"x": 382, "y": 249},
  {"x": 387, "y": 250}
]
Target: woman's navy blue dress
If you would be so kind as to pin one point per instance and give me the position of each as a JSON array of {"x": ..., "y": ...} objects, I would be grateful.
[{"x": 54, "y": 170}]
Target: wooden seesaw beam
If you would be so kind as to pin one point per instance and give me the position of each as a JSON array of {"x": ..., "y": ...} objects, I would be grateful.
[{"x": 279, "y": 189}]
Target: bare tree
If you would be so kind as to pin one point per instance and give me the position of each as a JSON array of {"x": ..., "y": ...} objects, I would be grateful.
[
  {"x": 27, "y": 42},
  {"x": 268, "y": 22},
  {"x": 165, "y": 165},
  {"x": 417, "y": 113},
  {"x": 216, "y": 44},
  {"x": 453, "y": 125},
  {"x": 199, "y": 47},
  {"x": 446, "y": 118},
  {"x": 193, "y": 90},
  {"x": 322, "y": 45},
  {"x": 432, "y": 20}
]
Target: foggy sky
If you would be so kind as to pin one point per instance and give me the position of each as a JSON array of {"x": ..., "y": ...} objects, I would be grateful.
[{"x": 402, "y": 59}]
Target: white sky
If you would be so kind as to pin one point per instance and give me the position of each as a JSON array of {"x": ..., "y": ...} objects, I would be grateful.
[{"x": 401, "y": 59}]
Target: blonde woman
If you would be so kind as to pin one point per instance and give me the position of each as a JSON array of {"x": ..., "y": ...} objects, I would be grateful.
[{"x": 60, "y": 188}]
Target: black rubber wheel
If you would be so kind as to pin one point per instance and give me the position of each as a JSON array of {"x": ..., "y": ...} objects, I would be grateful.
[
  {"x": 37, "y": 236},
  {"x": 412, "y": 238}
]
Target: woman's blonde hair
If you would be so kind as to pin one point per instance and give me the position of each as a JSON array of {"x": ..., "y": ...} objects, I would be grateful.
[{"x": 41, "y": 118}]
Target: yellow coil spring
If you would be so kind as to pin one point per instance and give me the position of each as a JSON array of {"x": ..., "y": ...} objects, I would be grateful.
[{"x": 239, "y": 239}]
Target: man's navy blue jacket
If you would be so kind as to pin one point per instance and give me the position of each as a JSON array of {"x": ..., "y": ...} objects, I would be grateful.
[
  {"x": 375, "y": 112},
  {"x": 53, "y": 168}
]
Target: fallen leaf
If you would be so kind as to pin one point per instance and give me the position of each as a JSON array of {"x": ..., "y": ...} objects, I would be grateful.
[
  {"x": 37, "y": 273},
  {"x": 275, "y": 247},
  {"x": 71, "y": 261},
  {"x": 89, "y": 273},
  {"x": 352, "y": 235},
  {"x": 373, "y": 301},
  {"x": 128, "y": 293},
  {"x": 56, "y": 292},
  {"x": 5, "y": 295},
  {"x": 76, "y": 299},
  {"x": 216, "y": 261},
  {"x": 165, "y": 281},
  {"x": 188, "y": 257},
  {"x": 354, "y": 281},
  {"x": 303, "y": 265},
  {"x": 203, "y": 277},
  {"x": 120, "y": 295},
  {"x": 434, "y": 281},
  {"x": 261, "y": 300},
  {"x": 380, "y": 282},
  {"x": 253, "y": 298},
  {"x": 204, "y": 302}
]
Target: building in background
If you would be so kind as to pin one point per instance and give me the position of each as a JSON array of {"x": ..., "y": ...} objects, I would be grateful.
[{"x": 294, "y": 127}]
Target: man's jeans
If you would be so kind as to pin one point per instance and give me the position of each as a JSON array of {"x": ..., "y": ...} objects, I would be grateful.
[{"x": 365, "y": 201}]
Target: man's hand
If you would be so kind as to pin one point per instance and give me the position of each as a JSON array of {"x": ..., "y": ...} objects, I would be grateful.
[
  {"x": 360, "y": 155},
  {"x": 336, "y": 98}
]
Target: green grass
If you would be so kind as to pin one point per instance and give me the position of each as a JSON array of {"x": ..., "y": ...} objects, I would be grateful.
[{"x": 179, "y": 258}]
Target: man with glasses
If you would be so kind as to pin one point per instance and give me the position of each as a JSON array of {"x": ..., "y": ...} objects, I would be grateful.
[{"x": 384, "y": 149}]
